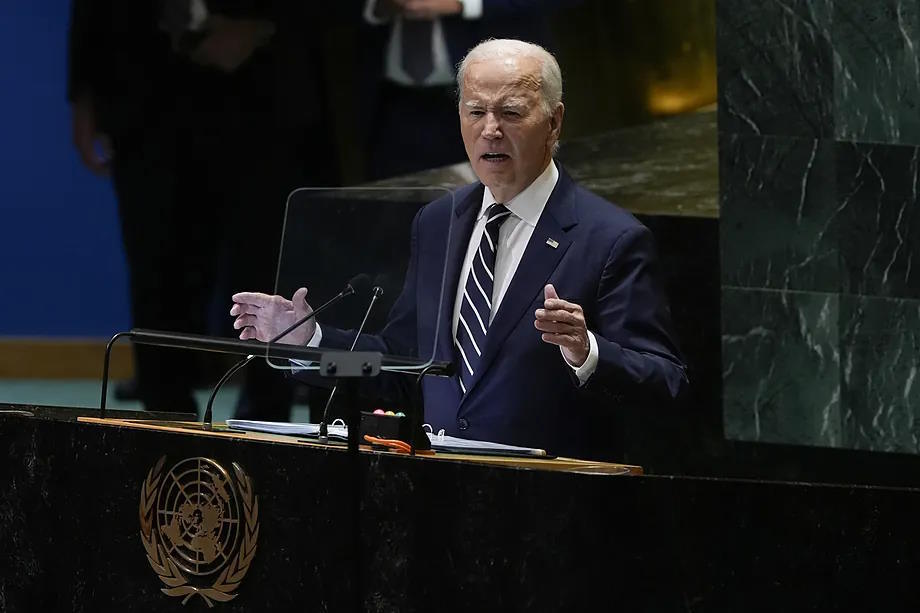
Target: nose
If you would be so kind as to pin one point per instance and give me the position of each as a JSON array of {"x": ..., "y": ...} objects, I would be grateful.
[{"x": 492, "y": 129}]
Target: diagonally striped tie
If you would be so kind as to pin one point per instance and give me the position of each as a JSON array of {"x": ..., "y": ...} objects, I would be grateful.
[{"x": 477, "y": 298}]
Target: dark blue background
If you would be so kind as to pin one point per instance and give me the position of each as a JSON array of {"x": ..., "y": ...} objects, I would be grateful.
[{"x": 63, "y": 270}]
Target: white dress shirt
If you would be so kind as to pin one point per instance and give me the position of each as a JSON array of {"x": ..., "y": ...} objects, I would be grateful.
[
  {"x": 513, "y": 236},
  {"x": 443, "y": 72}
]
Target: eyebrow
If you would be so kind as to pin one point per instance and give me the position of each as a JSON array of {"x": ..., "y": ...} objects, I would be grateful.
[{"x": 515, "y": 103}]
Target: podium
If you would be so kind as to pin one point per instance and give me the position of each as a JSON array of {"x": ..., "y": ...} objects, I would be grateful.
[{"x": 442, "y": 533}]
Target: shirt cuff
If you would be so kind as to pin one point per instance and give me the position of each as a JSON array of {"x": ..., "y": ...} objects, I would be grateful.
[
  {"x": 587, "y": 369},
  {"x": 315, "y": 340},
  {"x": 472, "y": 9},
  {"x": 317, "y": 337}
]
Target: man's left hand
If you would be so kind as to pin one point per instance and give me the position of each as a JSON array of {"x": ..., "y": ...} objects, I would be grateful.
[
  {"x": 563, "y": 323},
  {"x": 429, "y": 9}
]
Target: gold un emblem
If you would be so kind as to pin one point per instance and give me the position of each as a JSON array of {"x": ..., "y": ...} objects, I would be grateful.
[{"x": 200, "y": 527}]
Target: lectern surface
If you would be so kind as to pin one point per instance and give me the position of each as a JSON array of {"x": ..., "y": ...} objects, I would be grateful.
[{"x": 550, "y": 464}]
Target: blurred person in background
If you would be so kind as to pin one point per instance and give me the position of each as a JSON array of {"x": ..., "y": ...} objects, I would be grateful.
[
  {"x": 422, "y": 41},
  {"x": 198, "y": 111}
]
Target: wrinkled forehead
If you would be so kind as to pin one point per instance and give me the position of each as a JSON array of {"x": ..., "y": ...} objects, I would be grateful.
[{"x": 495, "y": 79}]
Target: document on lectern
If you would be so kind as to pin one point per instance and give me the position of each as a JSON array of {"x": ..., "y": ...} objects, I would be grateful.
[
  {"x": 280, "y": 427},
  {"x": 439, "y": 442}
]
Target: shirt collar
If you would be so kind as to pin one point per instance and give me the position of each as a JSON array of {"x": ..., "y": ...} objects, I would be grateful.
[{"x": 529, "y": 204}]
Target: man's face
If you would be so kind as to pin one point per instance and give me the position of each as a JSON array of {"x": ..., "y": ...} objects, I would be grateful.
[{"x": 508, "y": 137}]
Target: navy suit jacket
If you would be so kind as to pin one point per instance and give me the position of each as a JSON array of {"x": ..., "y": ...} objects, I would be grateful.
[{"x": 524, "y": 393}]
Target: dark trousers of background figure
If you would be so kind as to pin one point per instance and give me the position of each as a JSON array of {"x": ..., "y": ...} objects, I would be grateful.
[
  {"x": 201, "y": 191},
  {"x": 415, "y": 128}
]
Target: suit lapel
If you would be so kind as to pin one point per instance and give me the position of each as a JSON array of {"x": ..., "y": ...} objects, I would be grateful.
[
  {"x": 539, "y": 261},
  {"x": 462, "y": 221}
]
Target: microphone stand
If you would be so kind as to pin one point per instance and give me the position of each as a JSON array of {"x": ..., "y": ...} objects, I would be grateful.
[
  {"x": 323, "y": 435},
  {"x": 418, "y": 402},
  {"x": 105, "y": 369}
]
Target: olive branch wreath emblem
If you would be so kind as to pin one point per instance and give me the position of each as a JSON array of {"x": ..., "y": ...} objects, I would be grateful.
[{"x": 223, "y": 588}]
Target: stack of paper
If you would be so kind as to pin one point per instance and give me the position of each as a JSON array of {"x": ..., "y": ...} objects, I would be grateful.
[{"x": 282, "y": 427}]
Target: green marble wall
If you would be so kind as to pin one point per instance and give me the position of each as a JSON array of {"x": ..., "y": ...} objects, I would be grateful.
[{"x": 820, "y": 232}]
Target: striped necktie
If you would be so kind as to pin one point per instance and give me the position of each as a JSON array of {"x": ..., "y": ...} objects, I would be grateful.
[{"x": 477, "y": 297}]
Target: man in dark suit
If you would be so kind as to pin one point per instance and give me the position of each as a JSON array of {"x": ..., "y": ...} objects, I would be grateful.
[{"x": 551, "y": 304}]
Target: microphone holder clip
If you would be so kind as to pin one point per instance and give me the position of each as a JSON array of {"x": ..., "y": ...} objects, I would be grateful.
[{"x": 348, "y": 368}]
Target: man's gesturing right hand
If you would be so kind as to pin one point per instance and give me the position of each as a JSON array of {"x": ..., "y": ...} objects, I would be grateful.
[{"x": 263, "y": 317}]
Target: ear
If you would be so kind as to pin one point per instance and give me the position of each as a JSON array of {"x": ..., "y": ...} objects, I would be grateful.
[{"x": 555, "y": 122}]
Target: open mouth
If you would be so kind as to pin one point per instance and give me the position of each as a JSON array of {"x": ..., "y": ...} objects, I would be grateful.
[{"x": 495, "y": 157}]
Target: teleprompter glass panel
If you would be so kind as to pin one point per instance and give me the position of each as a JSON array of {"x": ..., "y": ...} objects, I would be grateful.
[{"x": 364, "y": 237}]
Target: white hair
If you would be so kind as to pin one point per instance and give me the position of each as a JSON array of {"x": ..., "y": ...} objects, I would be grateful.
[{"x": 550, "y": 73}]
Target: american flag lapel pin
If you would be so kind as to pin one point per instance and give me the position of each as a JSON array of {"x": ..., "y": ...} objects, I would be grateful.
[{"x": 552, "y": 242}]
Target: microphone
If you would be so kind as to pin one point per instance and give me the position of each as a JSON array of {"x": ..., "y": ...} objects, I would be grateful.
[
  {"x": 357, "y": 285},
  {"x": 323, "y": 436}
]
